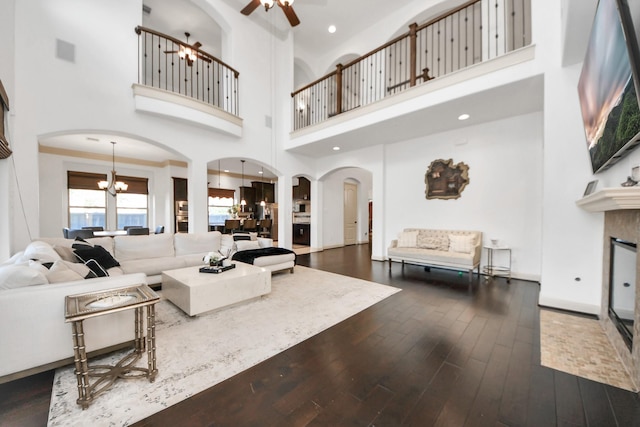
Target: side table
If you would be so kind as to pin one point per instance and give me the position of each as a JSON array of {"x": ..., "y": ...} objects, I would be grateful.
[
  {"x": 84, "y": 306},
  {"x": 492, "y": 269}
]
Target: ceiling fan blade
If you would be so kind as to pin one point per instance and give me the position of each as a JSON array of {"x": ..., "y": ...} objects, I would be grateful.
[
  {"x": 197, "y": 45},
  {"x": 291, "y": 15},
  {"x": 171, "y": 51},
  {"x": 253, "y": 5}
]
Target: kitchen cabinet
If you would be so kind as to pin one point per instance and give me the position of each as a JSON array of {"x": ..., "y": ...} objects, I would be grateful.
[
  {"x": 302, "y": 191},
  {"x": 302, "y": 234},
  {"x": 249, "y": 194},
  {"x": 179, "y": 189},
  {"x": 264, "y": 191}
]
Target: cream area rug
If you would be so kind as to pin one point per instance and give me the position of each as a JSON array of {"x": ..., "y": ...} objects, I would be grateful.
[
  {"x": 579, "y": 346},
  {"x": 195, "y": 353}
]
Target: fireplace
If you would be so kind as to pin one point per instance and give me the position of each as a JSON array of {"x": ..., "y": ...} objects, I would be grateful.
[{"x": 622, "y": 289}]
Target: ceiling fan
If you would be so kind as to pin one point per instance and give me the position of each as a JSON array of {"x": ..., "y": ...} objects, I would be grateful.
[
  {"x": 286, "y": 6},
  {"x": 189, "y": 52}
]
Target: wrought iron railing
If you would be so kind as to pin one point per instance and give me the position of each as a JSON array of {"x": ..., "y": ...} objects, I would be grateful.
[
  {"x": 165, "y": 63},
  {"x": 477, "y": 31}
]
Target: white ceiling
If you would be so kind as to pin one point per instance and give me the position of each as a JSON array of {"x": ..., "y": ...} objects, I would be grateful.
[{"x": 174, "y": 17}]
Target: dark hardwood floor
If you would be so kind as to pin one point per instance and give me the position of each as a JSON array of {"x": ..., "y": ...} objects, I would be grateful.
[{"x": 434, "y": 354}]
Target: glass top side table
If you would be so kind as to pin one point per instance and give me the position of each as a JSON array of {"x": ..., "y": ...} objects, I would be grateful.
[
  {"x": 492, "y": 269},
  {"x": 84, "y": 306}
]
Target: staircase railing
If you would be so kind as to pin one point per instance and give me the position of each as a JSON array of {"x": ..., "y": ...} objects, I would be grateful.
[
  {"x": 476, "y": 31},
  {"x": 202, "y": 77}
]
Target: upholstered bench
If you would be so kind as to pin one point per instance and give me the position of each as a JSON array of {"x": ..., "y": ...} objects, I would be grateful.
[
  {"x": 248, "y": 248},
  {"x": 453, "y": 249},
  {"x": 272, "y": 258}
]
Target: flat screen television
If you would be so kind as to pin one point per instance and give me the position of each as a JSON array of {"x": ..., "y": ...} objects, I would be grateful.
[{"x": 607, "y": 86}]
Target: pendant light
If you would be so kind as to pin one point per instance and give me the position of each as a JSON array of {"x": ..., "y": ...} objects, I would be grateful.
[
  {"x": 263, "y": 203},
  {"x": 243, "y": 202},
  {"x": 113, "y": 186}
]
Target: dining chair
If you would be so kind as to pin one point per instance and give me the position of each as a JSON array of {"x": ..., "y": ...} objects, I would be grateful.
[
  {"x": 264, "y": 229},
  {"x": 79, "y": 232},
  {"x": 231, "y": 225},
  {"x": 249, "y": 225},
  {"x": 127, "y": 227},
  {"x": 138, "y": 231},
  {"x": 94, "y": 228},
  {"x": 160, "y": 229}
]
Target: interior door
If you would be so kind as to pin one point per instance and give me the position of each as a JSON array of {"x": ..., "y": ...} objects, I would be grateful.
[{"x": 350, "y": 213}]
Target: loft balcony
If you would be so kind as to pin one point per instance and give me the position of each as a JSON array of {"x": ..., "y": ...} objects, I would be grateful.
[
  {"x": 178, "y": 80},
  {"x": 426, "y": 68}
]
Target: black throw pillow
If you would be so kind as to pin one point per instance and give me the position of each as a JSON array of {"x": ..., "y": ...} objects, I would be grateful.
[
  {"x": 96, "y": 253},
  {"x": 96, "y": 269},
  {"x": 241, "y": 236}
]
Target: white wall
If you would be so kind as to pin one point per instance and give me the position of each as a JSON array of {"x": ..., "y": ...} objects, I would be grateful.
[
  {"x": 332, "y": 216},
  {"x": 7, "y": 51},
  {"x": 503, "y": 197}
]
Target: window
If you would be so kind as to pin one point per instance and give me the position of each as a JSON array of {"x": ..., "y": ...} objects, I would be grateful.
[
  {"x": 219, "y": 202},
  {"x": 87, "y": 203},
  {"x": 132, "y": 206}
]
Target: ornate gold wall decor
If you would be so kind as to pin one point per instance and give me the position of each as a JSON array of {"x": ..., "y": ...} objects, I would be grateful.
[
  {"x": 5, "y": 151},
  {"x": 445, "y": 180}
]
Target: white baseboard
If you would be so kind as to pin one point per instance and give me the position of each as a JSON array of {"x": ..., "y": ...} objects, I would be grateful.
[{"x": 563, "y": 304}]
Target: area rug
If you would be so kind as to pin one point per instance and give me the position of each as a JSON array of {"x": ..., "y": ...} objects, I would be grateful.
[
  {"x": 579, "y": 346},
  {"x": 196, "y": 353}
]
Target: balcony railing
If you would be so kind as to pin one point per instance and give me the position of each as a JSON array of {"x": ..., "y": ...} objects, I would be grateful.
[
  {"x": 175, "y": 66},
  {"x": 477, "y": 31}
]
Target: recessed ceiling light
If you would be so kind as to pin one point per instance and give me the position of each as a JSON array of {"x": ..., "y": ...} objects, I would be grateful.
[
  {"x": 336, "y": 148},
  {"x": 332, "y": 29},
  {"x": 463, "y": 116},
  {"x": 260, "y": 172},
  {"x": 226, "y": 171}
]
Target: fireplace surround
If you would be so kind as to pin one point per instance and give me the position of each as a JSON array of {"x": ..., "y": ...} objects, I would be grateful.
[{"x": 621, "y": 207}]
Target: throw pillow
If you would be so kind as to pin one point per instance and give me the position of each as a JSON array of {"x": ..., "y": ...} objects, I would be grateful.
[
  {"x": 97, "y": 253},
  {"x": 426, "y": 241},
  {"x": 463, "y": 244},
  {"x": 244, "y": 245},
  {"x": 65, "y": 252},
  {"x": 407, "y": 239},
  {"x": 96, "y": 268},
  {"x": 238, "y": 236},
  {"x": 18, "y": 276},
  {"x": 41, "y": 251},
  {"x": 60, "y": 272}
]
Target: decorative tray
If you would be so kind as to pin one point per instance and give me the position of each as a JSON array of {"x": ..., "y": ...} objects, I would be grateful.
[
  {"x": 109, "y": 299},
  {"x": 216, "y": 269}
]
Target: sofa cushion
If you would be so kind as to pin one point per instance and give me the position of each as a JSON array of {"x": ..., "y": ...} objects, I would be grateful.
[
  {"x": 17, "y": 276},
  {"x": 464, "y": 244},
  {"x": 144, "y": 247},
  {"x": 407, "y": 239},
  {"x": 66, "y": 253},
  {"x": 152, "y": 266},
  {"x": 196, "y": 243},
  {"x": 60, "y": 272},
  {"x": 433, "y": 256}
]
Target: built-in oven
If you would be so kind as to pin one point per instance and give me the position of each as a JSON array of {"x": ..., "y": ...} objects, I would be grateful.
[
  {"x": 182, "y": 208},
  {"x": 182, "y": 224}
]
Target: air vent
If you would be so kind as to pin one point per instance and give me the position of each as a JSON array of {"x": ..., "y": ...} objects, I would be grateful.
[
  {"x": 146, "y": 9},
  {"x": 65, "y": 50}
]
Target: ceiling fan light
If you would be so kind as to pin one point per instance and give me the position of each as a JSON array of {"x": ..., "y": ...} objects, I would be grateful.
[
  {"x": 268, "y": 4},
  {"x": 286, "y": 2}
]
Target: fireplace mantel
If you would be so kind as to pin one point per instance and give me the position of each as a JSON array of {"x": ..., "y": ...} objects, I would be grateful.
[{"x": 611, "y": 199}]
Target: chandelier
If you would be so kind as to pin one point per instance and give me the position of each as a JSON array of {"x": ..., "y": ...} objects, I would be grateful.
[{"x": 113, "y": 186}]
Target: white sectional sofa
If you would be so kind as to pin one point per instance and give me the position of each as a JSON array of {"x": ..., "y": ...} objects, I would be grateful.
[
  {"x": 34, "y": 335},
  {"x": 453, "y": 249}
]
